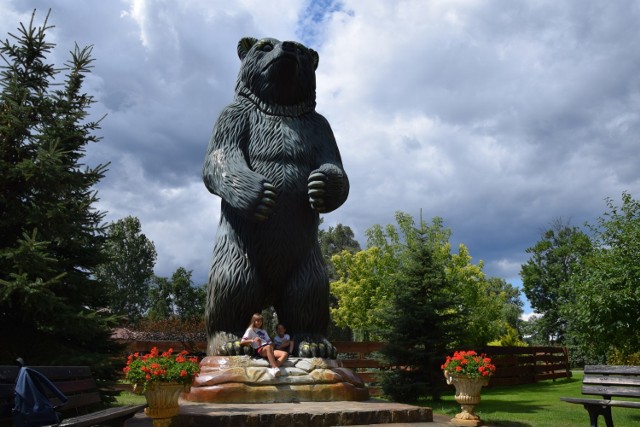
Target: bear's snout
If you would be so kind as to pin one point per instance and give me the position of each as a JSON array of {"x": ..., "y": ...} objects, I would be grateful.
[{"x": 289, "y": 47}]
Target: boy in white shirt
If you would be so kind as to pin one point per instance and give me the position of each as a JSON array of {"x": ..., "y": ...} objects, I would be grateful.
[{"x": 282, "y": 339}]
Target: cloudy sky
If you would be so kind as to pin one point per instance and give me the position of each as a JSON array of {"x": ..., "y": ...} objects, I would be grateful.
[{"x": 498, "y": 116}]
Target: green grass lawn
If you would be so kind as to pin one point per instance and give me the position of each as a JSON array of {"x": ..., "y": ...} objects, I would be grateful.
[{"x": 535, "y": 405}]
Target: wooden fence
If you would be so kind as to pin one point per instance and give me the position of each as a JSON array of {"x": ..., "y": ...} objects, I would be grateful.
[
  {"x": 514, "y": 365},
  {"x": 525, "y": 365}
]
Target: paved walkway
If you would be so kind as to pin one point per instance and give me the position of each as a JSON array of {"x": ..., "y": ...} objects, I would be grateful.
[{"x": 305, "y": 414}]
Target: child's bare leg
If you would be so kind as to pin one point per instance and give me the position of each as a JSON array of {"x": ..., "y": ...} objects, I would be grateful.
[
  {"x": 281, "y": 356},
  {"x": 270, "y": 356}
]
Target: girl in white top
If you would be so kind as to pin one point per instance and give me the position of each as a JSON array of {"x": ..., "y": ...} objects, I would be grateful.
[{"x": 259, "y": 339}]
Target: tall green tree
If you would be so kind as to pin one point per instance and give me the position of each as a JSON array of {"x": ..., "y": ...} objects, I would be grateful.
[
  {"x": 335, "y": 240},
  {"x": 367, "y": 280},
  {"x": 362, "y": 290},
  {"x": 51, "y": 236},
  {"x": 546, "y": 274},
  {"x": 424, "y": 318},
  {"x": 604, "y": 308},
  {"x": 177, "y": 297},
  {"x": 160, "y": 298},
  {"x": 189, "y": 299},
  {"x": 511, "y": 310},
  {"x": 129, "y": 269}
]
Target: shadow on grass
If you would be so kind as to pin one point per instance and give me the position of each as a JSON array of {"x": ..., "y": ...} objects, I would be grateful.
[
  {"x": 486, "y": 411},
  {"x": 526, "y": 405}
]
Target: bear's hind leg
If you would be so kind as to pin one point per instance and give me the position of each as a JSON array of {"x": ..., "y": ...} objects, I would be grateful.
[
  {"x": 303, "y": 305},
  {"x": 234, "y": 294}
]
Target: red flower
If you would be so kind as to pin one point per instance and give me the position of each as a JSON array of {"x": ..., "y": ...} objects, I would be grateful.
[{"x": 469, "y": 363}]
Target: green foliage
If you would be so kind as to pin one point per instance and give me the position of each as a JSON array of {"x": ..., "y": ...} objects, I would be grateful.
[
  {"x": 363, "y": 289},
  {"x": 177, "y": 296},
  {"x": 160, "y": 298},
  {"x": 604, "y": 306},
  {"x": 617, "y": 357},
  {"x": 333, "y": 241},
  {"x": 128, "y": 271},
  {"x": 368, "y": 280},
  {"x": 511, "y": 338},
  {"x": 425, "y": 316},
  {"x": 546, "y": 274},
  {"x": 51, "y": 237}
]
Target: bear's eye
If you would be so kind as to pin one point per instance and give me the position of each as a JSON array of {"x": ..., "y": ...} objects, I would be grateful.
[{"x": 266, "y": 47}]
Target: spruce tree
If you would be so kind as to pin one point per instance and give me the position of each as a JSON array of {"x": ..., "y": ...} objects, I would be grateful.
[
  {"x": 425, "y": 318},
  {"x": 51, "y": 237}
]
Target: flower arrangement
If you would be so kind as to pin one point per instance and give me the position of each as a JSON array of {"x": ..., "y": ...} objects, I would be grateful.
[
  {"x": 470, "y": 364},
  {"x": 155, "y": 367}
]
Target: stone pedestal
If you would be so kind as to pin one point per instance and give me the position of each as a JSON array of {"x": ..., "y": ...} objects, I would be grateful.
[{"x": 243, "y": 379}]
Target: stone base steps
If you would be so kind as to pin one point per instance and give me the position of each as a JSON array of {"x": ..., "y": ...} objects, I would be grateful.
[{"x": 304, "y": 414}]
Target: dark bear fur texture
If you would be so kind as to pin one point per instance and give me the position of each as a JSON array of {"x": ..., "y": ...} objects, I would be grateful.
[{"x": 274, "y": 162}]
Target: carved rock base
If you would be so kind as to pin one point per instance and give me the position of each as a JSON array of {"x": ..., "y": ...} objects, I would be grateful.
[{"x": 242, "y": 379}]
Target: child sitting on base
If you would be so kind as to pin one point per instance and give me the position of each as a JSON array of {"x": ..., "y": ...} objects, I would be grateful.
[
  {"x": 259, "y": 340},
  {"x": 282, "y": 339}
]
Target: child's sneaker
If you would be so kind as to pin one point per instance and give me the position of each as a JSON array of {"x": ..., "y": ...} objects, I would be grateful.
[{"x": 274, "y": 371}]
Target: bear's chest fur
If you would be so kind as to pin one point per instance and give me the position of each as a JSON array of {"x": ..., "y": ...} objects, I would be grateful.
[{"x": 284, "y": 150}]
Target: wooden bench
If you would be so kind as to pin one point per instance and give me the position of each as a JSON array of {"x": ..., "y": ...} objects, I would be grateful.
[
  {"x": 77, "y": 383},
  {"x": 608, "y": 382}
]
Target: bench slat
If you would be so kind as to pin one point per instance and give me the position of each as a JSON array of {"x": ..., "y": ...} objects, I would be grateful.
[
  {"x": 80, "y": 400},
  {"x": 608, "y": 390},
  {"x": 602, "y": 402},
  {"x": 120, "y": 413},
  {"x": 76, "y": 386},
  {"x": 611, "y": 380},
  {"x": 606, "y": 369}
]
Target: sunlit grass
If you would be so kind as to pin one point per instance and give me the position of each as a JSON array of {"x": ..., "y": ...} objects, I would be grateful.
[
  {"x": 129, "y": 398},
  {"x": 535, "y": 405}
]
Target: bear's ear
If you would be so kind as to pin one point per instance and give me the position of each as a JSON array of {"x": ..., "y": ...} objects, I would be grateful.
[
  {"x": 315, "y": 57},
  {"x": 244, "y": 45}
]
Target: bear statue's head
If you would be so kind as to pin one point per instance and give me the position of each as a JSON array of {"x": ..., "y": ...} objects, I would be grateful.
[{"x": 276, "y": 73}]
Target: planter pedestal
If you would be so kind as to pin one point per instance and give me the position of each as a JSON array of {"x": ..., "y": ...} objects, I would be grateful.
[
  {"x": 162, "y": 402},
  {"x": 468, "y": 396}
]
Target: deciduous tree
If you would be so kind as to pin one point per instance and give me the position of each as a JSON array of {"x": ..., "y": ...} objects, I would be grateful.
[
  {"x": 604, "y": 308},
  {"x": 546, "y": 274},
  {"x": 129, "y": 268}
]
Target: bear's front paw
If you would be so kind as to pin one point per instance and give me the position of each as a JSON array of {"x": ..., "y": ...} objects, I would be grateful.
[
  {"x": 317, "y": 348},
  {"x": 267, "y": 202},
  {"x": 234, "y": 348},
  {"x": 317, "y": 184}
]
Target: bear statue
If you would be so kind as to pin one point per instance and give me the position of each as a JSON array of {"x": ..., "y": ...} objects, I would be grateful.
[{"x": 274, "y": 162}]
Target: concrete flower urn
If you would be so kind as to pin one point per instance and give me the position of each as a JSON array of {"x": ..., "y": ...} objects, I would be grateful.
[
  {"x": 162, "y": 401},
  {"x": 468, "y": 396}
]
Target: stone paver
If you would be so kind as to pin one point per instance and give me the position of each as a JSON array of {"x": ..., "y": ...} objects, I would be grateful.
[{"x": 305, "y": 414}]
